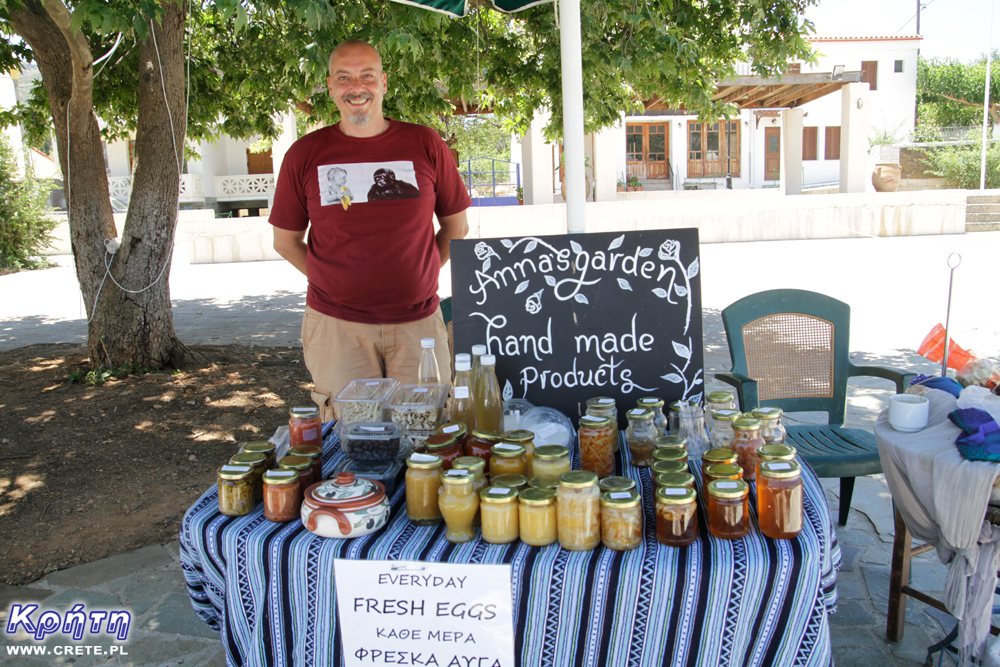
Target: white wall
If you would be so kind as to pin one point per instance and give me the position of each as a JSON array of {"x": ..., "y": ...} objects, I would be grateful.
[
  {"x": 8, "y": 99},
  {"x": 118, "y": 159}
]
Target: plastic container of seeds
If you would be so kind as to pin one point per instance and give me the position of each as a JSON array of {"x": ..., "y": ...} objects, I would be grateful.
[
  {"x": 364, "y": 400},
  {"x": 418, "y": 407}
]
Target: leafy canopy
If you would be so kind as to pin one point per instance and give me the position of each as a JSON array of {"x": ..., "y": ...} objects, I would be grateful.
[{"x": 950, "y": 93}]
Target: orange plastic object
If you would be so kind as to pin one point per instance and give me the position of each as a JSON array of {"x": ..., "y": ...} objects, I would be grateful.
[{"x": 933, "y": 349}]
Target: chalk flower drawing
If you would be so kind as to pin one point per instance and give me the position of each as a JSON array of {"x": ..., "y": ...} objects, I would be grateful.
[
  {"x": 534, "y": 302},
  {"x": 485, "y": 252},
  {"x": 680, "y": 377},
  {"x": 670, "y": 251}
]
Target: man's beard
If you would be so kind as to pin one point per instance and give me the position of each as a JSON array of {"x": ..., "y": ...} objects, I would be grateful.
[{"x": 359, "y": 118}]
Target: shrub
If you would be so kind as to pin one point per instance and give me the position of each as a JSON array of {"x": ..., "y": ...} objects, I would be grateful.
[
  {"x": 960, "y": 164},
  {"x": 24, "y": 229}
]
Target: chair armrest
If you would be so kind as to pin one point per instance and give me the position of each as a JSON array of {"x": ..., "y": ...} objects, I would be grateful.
[
  {"x": 901, "y": 378},
  {"x": 746, "y": 389}
]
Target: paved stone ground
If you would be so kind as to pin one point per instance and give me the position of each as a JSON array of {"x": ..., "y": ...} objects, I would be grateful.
[{"x": 260, "y": 303}]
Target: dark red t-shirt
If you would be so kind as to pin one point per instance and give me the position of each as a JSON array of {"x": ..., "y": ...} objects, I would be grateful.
[{"x": 368, "y": 205}]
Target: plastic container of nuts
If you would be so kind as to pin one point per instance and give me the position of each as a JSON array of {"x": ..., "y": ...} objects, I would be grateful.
[
  {"x": 371, "y": 441},
  {"x": 364, "y": 401},
  {"x": 418, "y": 407}
]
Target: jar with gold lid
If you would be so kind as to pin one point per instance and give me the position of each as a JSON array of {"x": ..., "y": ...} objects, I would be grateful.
[
  {"x": 621, "y": 520},
  {"x": 676, "y": 516},
  {"x": 459, "y": 430},
  {"x": 257, "y": 461},
  {"x": 544, "y": 482},
  {"x": 597, "y": 445},
  {"x": 423, "y": 486},
  {"x": 616, "y": 483},
  {"x": 314, "y": 454},
  {"x": 728, "y": 509},
  {"x": 640, "y": 436},
  {"x": 511, "y": 481},
  {"x": 779, "y": 499},
  {"x": 775, "y": 453},
  {"x": 508, "y": 459},
  {"x": 669, "y": 442},
  {"x": 718, "y": 400},
  {"x": 578, "y": 501},
  {"x": 721, "y": 434},
  {"x": 446, "y": 446},
  {"x": 720, "y": 471},
  {"x": 282, "y": 496},
  {"x": 261, "y": 447},
  {"x": 525, "y": 439},
  {"x": 748, "y": 441},
  {"x": 674, "y": 479},
  {"x": 656, "y": 405},
  {"x": 480, "y": 443},
  {"x": 498, "y": 507},
  {"x": 537, "y": 517},
  {"x": 476, "y": 466},
  {"x": 459, "y": 503},
  {"x": 301, "y": 465},
  {"x": 305, "y": 427},
  {"x": 714, "y": 456},
  {"x": 661, "y": 467},
  {"x": 235, "y": 488},
  {"x": 605, "y": 407},
  {"x": 670, "y": 454},
  {"x": 771, "y": 428},
  {"x": 551, "y": 461}
]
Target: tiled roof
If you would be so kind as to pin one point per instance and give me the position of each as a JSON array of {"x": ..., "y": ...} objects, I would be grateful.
[{"x": 868, "y": 38}]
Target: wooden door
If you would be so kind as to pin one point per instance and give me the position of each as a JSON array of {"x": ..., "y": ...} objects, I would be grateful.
[
  {"x": 772, "y": 153},
  {"x": 646, "y": 150}
]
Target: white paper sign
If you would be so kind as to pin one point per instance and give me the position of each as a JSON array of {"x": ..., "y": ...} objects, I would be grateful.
[{"x": 405, "y": 612}]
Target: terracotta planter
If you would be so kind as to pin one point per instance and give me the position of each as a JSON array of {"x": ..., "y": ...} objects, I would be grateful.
[{"x": 886, "y": 177}]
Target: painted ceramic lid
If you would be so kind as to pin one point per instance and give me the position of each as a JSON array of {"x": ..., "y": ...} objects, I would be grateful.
[{"x": 346, "y": 489}]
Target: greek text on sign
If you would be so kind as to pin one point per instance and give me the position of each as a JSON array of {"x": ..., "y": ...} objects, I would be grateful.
[{"x": 407, "y": 612}]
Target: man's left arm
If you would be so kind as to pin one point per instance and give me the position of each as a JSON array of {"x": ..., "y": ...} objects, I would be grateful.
[{"x": 452, "y": 227}]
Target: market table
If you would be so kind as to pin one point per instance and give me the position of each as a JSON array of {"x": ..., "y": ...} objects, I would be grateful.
[{"x": 269, "y": 588}]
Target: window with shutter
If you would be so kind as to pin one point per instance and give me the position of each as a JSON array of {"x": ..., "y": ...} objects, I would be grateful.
[
  {"x": 809, "y": 136},
  {"x": 869, "y": 73},
  {"x": 832, "y": 143}
]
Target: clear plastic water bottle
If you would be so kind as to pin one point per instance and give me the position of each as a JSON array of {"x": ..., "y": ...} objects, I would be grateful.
[
  {"x": 489, "y": 404},
  {"x": 428, "y": 372}
]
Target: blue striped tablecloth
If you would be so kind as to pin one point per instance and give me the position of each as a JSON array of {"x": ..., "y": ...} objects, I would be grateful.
[{"x": 269, "y": 588}]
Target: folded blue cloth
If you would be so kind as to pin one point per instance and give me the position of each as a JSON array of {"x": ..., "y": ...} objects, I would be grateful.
[
  {"x": 980, "y": 439},
  {"x": 938, "y": 382}
]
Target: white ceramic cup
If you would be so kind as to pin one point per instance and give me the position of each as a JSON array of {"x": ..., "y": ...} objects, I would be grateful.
[{"x": 908, "y": 412}]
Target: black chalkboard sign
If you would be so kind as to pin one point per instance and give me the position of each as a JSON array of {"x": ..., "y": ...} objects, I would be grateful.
[{"x": 576, "y": 316}]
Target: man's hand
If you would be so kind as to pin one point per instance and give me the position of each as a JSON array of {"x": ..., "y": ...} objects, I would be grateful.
[
  {"x": 291, "y": 246},
  {"x": 452, "y": 227}
]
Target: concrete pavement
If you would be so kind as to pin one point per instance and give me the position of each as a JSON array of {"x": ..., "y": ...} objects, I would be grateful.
[{"x": 897, "y": 288}]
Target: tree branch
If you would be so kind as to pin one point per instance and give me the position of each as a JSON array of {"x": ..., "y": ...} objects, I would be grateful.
[{"x": 79, "y": 48}]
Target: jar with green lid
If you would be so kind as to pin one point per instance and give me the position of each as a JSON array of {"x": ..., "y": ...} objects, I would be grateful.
[
  {"x": 674, "y": 418},
  {"x": 728, "y": 509},
  {"x": 669, "y": 442},
  {"x": 779, "y": 499},
  {"x": 511, "y": 481},
  {"x": 423, "y": 486},
  {"x": 258, "y": 462},
  {"x": 621, "y": 520},
  {"x": 446, "y": 446},
  {"x": 477, "y": 467},
  {"x": 616, "y": 483},
  {"x": 674, "y": 479},
  {"x": 714, "y": 456},
  {"x": 771, "y": 428},
  {"x": 670, "y": 454},
  {"x": 236, "y": 493},
  {"x": 550, "y": 461},
  {"x": 640, "y": 436},
  {"x": 459, "y": 503},
  {"x": 459, "y": 430},
  {"x": 656, "y": 405},
  {"x": 305, "y": 427},
  {"x": 282, "y": 497},
  {"x": 525, "y": 439},
  {"x": 775, "y": 453},
  {"x": 597, "y": 438},
  {"x": 508, "y": 459},
  {"x": 661, "y": 467},
  {"x": 578, "y": 502},
  {"x": 748, "y": 441},
  {"x": 314, "y": 454},
  {"x": 261, "y": 447},
  {"x": 720, "y": 471},
  {"x": 537, "y": 517},
  {"x": 303, "y": 466},
  {"x": 718, "y": 400},
  {"x": 676, "y": 516},
  {"x": 721, "y": 434},
  {"x": 604, "y": 406},
  {"x": 499, "y": 508},
  {"x": 544, "y": 482}
]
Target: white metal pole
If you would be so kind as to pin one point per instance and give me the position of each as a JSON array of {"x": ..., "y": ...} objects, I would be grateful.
[
  {"x": 570, "y": 49},
  {"x": 986, "y": 102}
]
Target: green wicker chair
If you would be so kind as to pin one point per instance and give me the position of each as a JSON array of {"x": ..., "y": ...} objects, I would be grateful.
[{"x": 790, "y": 350}]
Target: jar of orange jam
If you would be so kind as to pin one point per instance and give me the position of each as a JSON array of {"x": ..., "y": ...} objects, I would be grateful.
[
  {"x": 508, "y": 459},
  {"x": 537, "y": 517},
  {"x": 779, "y": 499},
  {"x": 676, "y": 516},
  {"x": 480, "y": 443},
  {"x": 728, "y": 509},
  {"x": 720, "y": 471},
  {"x": 775, "y": 453},
  {"x": 305, "y": 427},
  {"x": 747, "y": 442}
]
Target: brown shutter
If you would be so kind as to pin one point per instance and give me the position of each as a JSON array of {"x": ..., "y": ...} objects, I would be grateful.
[
  {"x": 832, "y": 140},
  {"x": 809, "y": 136},
  {"x": 869, "y": 73}
]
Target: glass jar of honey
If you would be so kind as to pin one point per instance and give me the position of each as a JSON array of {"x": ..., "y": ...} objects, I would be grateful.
[
  {"x": 480, "y": 443},
  {"x": 314, "y": 454},
  {"x": 621, "y": 520},
  {"x": 301, "y": 465},
  {"x": 578, "y": 501},
  {"x": 728, "y": 509},
  {"x": 550, "y": 461},
  {"x": 498, "y": 507},
  {"x": 748, "y": 441},
  {"x": 544, "y": 482},
  {"x": 476, "y": 466},
  {"x": 423, "y": 486},
  {"x": 257, "y": 461},
  {"x": 508, "y": 459},
  {"x": 446, "y": 446},
  {"x": 261, "y": 447},
  {"x": 525, "y": 439},
  {"x": 511, "y": 481},
  {"x": 676, "y": 516},
  {"x": 775, "y": 453},
  {"x": 304, "y": 427},
  {"x": 282, "y": 497},
  {"x": 235, "y": 487},
  {"x": 713, "y": 456},
  {"x": 603, "y": 406},
  {"x": 779, "y": 499},
  {"x": 674, "y": 479},
  {"x": 458, "y": 503},
  {"x": 537, "y": 517},
  {"x": 721, "y": 434},
  {"x": 459, "y": 430},
  {"x": 656, "y": 405},
  {"x": 640, "y": 436},
  {"x": 771, "y": 428},
  {"x": 597, "y": 445},
  {"x": 720, "y": 471}
]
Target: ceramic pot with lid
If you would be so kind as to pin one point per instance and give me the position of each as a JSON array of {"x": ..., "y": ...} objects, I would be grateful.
[{"x": 345, "y": 506}]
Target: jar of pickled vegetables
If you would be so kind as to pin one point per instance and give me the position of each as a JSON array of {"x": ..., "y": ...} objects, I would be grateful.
[
  {"x": 315, "y": 455},
  {"x": 257, "y": 461},
  {"x": 771, "y": 428},
  {"x": 748, "y": 441},
  {"x": 476, "y": 466},
  {"x": 511, "y": 481},
  {"x": 721, "y": 434},
  {"x": 544, "y": 482},
  {"x": 282, "y": 498},
  {"x": 621, "y": 520},
  {"x": 597, "y": 445},
  {"x": 261, "y": 447},
  {"x": 720, "y": 471},
  {"x": 525, "y": 439},
  {"x": 446, "y": 446},
  {"x": 301, "y": 465},
  {"x": 640, "y": 436},
  {"x": 728, "y": 509},
  {"x": 616, "y": 483},
  {"x": 508, "y": 459},
  {"x": 236, "y": 490},
  {"x": 551, "y": 460},
  {"x": 578, "y": 501},
  {"x": 676, "y": 516},
  {"x": 537, "y": 517},
  {"x": 480, "y": 443},
  {"x": 718, "y": 400},
  {"x": 459, "y": 430},
  {"x": 656, "y": 405},
  {"x": 423, "y": 486},
  {"x": 499, "y": 508},
  {"x": 775, "y": 453},
  {"x": 458, "y": 503},
  {"x": 661, "y": 467},
  {"x": 674, "y": 479},
  {"x": 779, "y": 499},
  {"x": 603, "y": 406},
  {"x": 305, "y": 427}
]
